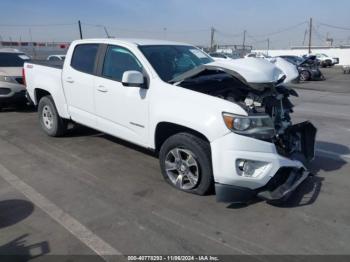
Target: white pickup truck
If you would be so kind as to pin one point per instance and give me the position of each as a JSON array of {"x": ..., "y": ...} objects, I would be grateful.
[{"x": 213, "y": 124}]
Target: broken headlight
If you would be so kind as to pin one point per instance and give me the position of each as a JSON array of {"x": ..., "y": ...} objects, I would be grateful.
[{"x": 257, "y": 126}]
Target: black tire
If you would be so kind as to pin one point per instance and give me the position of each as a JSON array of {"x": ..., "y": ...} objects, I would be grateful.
[
  {"x": 200, "y": 150},
  {"x": 305, "y": 75},
  {"x": 59, "y": 125}
]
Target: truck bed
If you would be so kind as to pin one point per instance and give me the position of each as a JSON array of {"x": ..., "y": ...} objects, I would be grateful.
[
  {"x": 54, "y": 64},
  {"x": 47, "y": 76}
]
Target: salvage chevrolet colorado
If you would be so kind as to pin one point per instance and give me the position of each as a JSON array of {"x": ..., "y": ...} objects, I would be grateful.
[{"x": 214, "y": 125}]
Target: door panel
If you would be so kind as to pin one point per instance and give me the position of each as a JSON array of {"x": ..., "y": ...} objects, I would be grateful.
[
  {"x": 121, "y": 110},
  {"x": 78, "y": 84}
]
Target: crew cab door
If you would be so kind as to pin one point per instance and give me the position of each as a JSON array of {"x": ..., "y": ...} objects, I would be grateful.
[
  {"x": 78, "y": 83},
  {"x": 121, "y": 111}
]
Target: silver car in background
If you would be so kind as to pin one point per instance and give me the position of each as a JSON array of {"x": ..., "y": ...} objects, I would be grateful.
[{"x": 12, "y": 88}]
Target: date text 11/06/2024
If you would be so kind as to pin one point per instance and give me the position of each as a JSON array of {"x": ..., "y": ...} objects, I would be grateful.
[{"x": 173, "y": 258}]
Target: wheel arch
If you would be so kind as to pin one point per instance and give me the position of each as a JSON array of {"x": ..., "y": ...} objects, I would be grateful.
[
  {"x": 59, "y": 101},
  {"x": 164, "y": 130},
  {"x": 40, "y": 93}
]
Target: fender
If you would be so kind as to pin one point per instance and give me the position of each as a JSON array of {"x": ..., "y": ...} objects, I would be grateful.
[{"x": 193, "y": 110}]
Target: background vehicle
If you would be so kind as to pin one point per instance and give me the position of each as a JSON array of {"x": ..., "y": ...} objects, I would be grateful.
[
  {"x": 307, "y": 67},
  {"x": 256, "y": 55},
  {"x": 346, "y": 69},
  {"x": 326, "y": 61},
  {"x": 12, "y": 89},
  {"x": 221, "y": 56},
  {"x": 212, "y": 123},
  {"x": 56, "y": 57}
]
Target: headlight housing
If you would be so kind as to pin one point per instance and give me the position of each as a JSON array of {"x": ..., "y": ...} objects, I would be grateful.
[
  {"x": 8, "y": 79},
  {"x": 257, "y": 126}
]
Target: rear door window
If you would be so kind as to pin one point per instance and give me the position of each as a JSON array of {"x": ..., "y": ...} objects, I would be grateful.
[{"x": 84, "y": 57}]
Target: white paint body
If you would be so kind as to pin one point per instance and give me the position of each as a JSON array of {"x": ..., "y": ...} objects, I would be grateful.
[
  {"x": 291, "y": 71},
  {"x": 78, "y": 97}
]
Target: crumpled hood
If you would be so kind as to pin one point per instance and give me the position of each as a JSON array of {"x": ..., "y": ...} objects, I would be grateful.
[
  {"x": 289, "y": 69},
  {"x": 11, "y": 71},
  {"x": 253, "y": 70}
]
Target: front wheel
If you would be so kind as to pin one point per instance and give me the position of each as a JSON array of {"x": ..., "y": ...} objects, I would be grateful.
[
  {"x": 305, "y": 76},
  {"x": 49, "y": 119},
  {"x": 185, "y": 162}
]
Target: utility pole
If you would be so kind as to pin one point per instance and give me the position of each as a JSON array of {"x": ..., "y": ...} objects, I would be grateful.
[
  {"x": 244, "y": 33},
  {"x": 107, "y": 34},
  {"x": 310, "y": 35},
  {"x": 165, "y": 32},
  {"x": 80, "y": 32},
  {"x": 212, "y": 38},
  {"x": 268, "y": 46},
  {"x": 31, "y": 40}
]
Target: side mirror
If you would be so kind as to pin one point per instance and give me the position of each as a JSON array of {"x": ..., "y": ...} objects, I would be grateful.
[{"x": 133, "y": 78}]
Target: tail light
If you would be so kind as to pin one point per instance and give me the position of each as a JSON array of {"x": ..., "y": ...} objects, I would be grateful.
[{"x": 24, "y": 77}]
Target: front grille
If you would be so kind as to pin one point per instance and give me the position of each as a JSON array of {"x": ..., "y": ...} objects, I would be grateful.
[
  {"x": 4, "y": 91},
  {"x": 20, "y": 80}
]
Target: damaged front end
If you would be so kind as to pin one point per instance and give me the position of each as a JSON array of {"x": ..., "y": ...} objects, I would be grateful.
[{"x": 262, "y": 102}]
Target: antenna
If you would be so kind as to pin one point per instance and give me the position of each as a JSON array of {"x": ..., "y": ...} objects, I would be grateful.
[
  {"x": 80, "y": 31},
  {"x": 310, "y": 35}
]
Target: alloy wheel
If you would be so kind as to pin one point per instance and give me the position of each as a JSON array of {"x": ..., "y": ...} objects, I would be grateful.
[
  {"x": 182, "y": 168},
  {"x": 47, "y": 117}
]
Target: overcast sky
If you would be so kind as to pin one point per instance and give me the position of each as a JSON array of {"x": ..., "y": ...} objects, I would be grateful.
[{"x": 183, "y": 20}]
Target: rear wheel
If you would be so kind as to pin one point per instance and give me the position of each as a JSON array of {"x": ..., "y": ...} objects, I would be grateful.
[
  {"x": 186, "y": 163},
  {"x": 305, "y": 76},
  {"x": 50, "y": 121}
]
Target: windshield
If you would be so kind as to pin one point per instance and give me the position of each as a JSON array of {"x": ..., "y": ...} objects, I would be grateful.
[
  {"x": 294, "y": 59},
  {"x": 170, "y": 61},
  {"x": 12, "y": 59}
]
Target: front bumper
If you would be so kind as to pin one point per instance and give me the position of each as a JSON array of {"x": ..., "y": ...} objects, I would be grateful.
[
  {"x": 282, "y": 185},
  {"x": 18, "y": 97},
  {"x": 8, "y": 90},
  {"x": 274, "y": 168}
]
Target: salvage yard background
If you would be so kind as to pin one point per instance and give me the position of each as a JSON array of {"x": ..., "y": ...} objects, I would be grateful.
[{"x": 115, "y": 189}]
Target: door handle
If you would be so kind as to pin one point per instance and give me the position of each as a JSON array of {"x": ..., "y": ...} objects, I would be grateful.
[
  {"x": 102, "y": 89},
  {"x": 69, "y": 80}
]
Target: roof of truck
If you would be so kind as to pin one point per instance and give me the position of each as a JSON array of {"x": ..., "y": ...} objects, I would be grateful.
[{"x": 136, "y": 41}]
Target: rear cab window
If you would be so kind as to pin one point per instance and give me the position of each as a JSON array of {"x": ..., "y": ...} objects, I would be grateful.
[{"x": 84, "y": 57}]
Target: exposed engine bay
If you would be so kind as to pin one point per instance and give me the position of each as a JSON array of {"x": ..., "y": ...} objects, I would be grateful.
[{"x": 293, "y": 141}]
